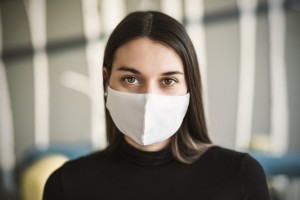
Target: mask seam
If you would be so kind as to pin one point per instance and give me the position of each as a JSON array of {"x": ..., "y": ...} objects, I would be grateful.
[{"x": 144, "y": 119}]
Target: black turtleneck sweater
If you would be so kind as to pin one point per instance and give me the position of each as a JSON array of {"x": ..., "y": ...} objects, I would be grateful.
[{"x": 127, "y": 173}]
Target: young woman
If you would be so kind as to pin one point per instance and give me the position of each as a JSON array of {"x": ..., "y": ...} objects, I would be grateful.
[{"x": 159, "y": 147}]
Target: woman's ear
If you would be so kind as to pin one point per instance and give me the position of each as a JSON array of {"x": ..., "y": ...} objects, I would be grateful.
[{"x": 105, "y": 77}]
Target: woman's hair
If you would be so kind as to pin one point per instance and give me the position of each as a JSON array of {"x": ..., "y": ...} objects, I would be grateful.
[{"x": 192, "y": 139}]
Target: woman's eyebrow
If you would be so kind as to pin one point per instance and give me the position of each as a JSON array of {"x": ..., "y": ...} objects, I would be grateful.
[
  {"x": 172, "y": 73},
  {"x": 134, "y": 71},
  {"x": 129, "y": 69}
]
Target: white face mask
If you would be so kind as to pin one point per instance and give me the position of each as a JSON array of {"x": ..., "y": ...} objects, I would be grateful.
[{"x": 147, "y": 118}]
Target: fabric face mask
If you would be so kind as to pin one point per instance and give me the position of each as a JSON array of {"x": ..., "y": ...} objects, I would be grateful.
[{"x": 147, "y": 118}]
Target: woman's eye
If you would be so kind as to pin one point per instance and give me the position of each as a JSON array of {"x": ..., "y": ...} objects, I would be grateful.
[
  {"x": 169, "y": 81},
  {"x": 130, "y": 80}
]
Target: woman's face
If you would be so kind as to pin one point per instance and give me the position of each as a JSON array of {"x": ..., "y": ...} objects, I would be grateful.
[{"x": 146, "y": 66}]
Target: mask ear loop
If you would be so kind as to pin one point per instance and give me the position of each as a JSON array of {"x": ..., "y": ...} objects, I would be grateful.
[
  {"x": 105, "y": 77},
  {"x": 105, "y": 95}
]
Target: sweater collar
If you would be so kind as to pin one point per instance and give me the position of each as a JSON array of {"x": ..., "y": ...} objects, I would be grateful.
[{"x": 129, "y": 154}]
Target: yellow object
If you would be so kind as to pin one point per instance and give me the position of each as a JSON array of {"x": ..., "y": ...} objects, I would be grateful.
[
  {"x": 260, "y": 142},
  {"x": 34, "y": 177}
]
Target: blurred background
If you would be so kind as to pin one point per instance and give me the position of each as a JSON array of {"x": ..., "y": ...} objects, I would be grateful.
[{"x": 51, "y": 96}]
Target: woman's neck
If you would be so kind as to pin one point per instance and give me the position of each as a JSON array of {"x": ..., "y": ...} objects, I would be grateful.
[{"x": 152, "y": 147}]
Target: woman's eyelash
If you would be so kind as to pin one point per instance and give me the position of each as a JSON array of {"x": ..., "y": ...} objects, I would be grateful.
[
  {"x": 169, "y": 81},
  {"x": 130, "y": 79},
  {"x": 164, "y": 81}
]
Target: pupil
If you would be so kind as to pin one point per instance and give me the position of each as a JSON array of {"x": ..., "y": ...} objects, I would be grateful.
[{"x": 130, "y": 80}]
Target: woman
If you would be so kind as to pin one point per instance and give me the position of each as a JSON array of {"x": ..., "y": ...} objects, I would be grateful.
[{"x": 158, "y": 143}]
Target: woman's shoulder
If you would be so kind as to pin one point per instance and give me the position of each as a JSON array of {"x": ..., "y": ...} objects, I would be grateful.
[
  {"x": 228, "y": 163},
  {"x": 83, "y": 165},
  {"x": 221, "y": 153},
  {"x": 234, "y": 169},
  {"x": 89, "y": 161},
  {"x": 226, "y": 158},
  {"x": 74, "y": 173}
]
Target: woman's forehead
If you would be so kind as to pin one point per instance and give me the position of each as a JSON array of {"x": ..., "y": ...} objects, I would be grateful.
[{"x": 144, "y": 54}]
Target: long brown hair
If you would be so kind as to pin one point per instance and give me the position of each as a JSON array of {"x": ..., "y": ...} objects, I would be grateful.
[{"x": 192, "y": 139}]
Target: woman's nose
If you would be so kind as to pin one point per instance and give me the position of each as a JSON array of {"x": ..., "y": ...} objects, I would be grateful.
[{"x": 150, "y": 87}]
